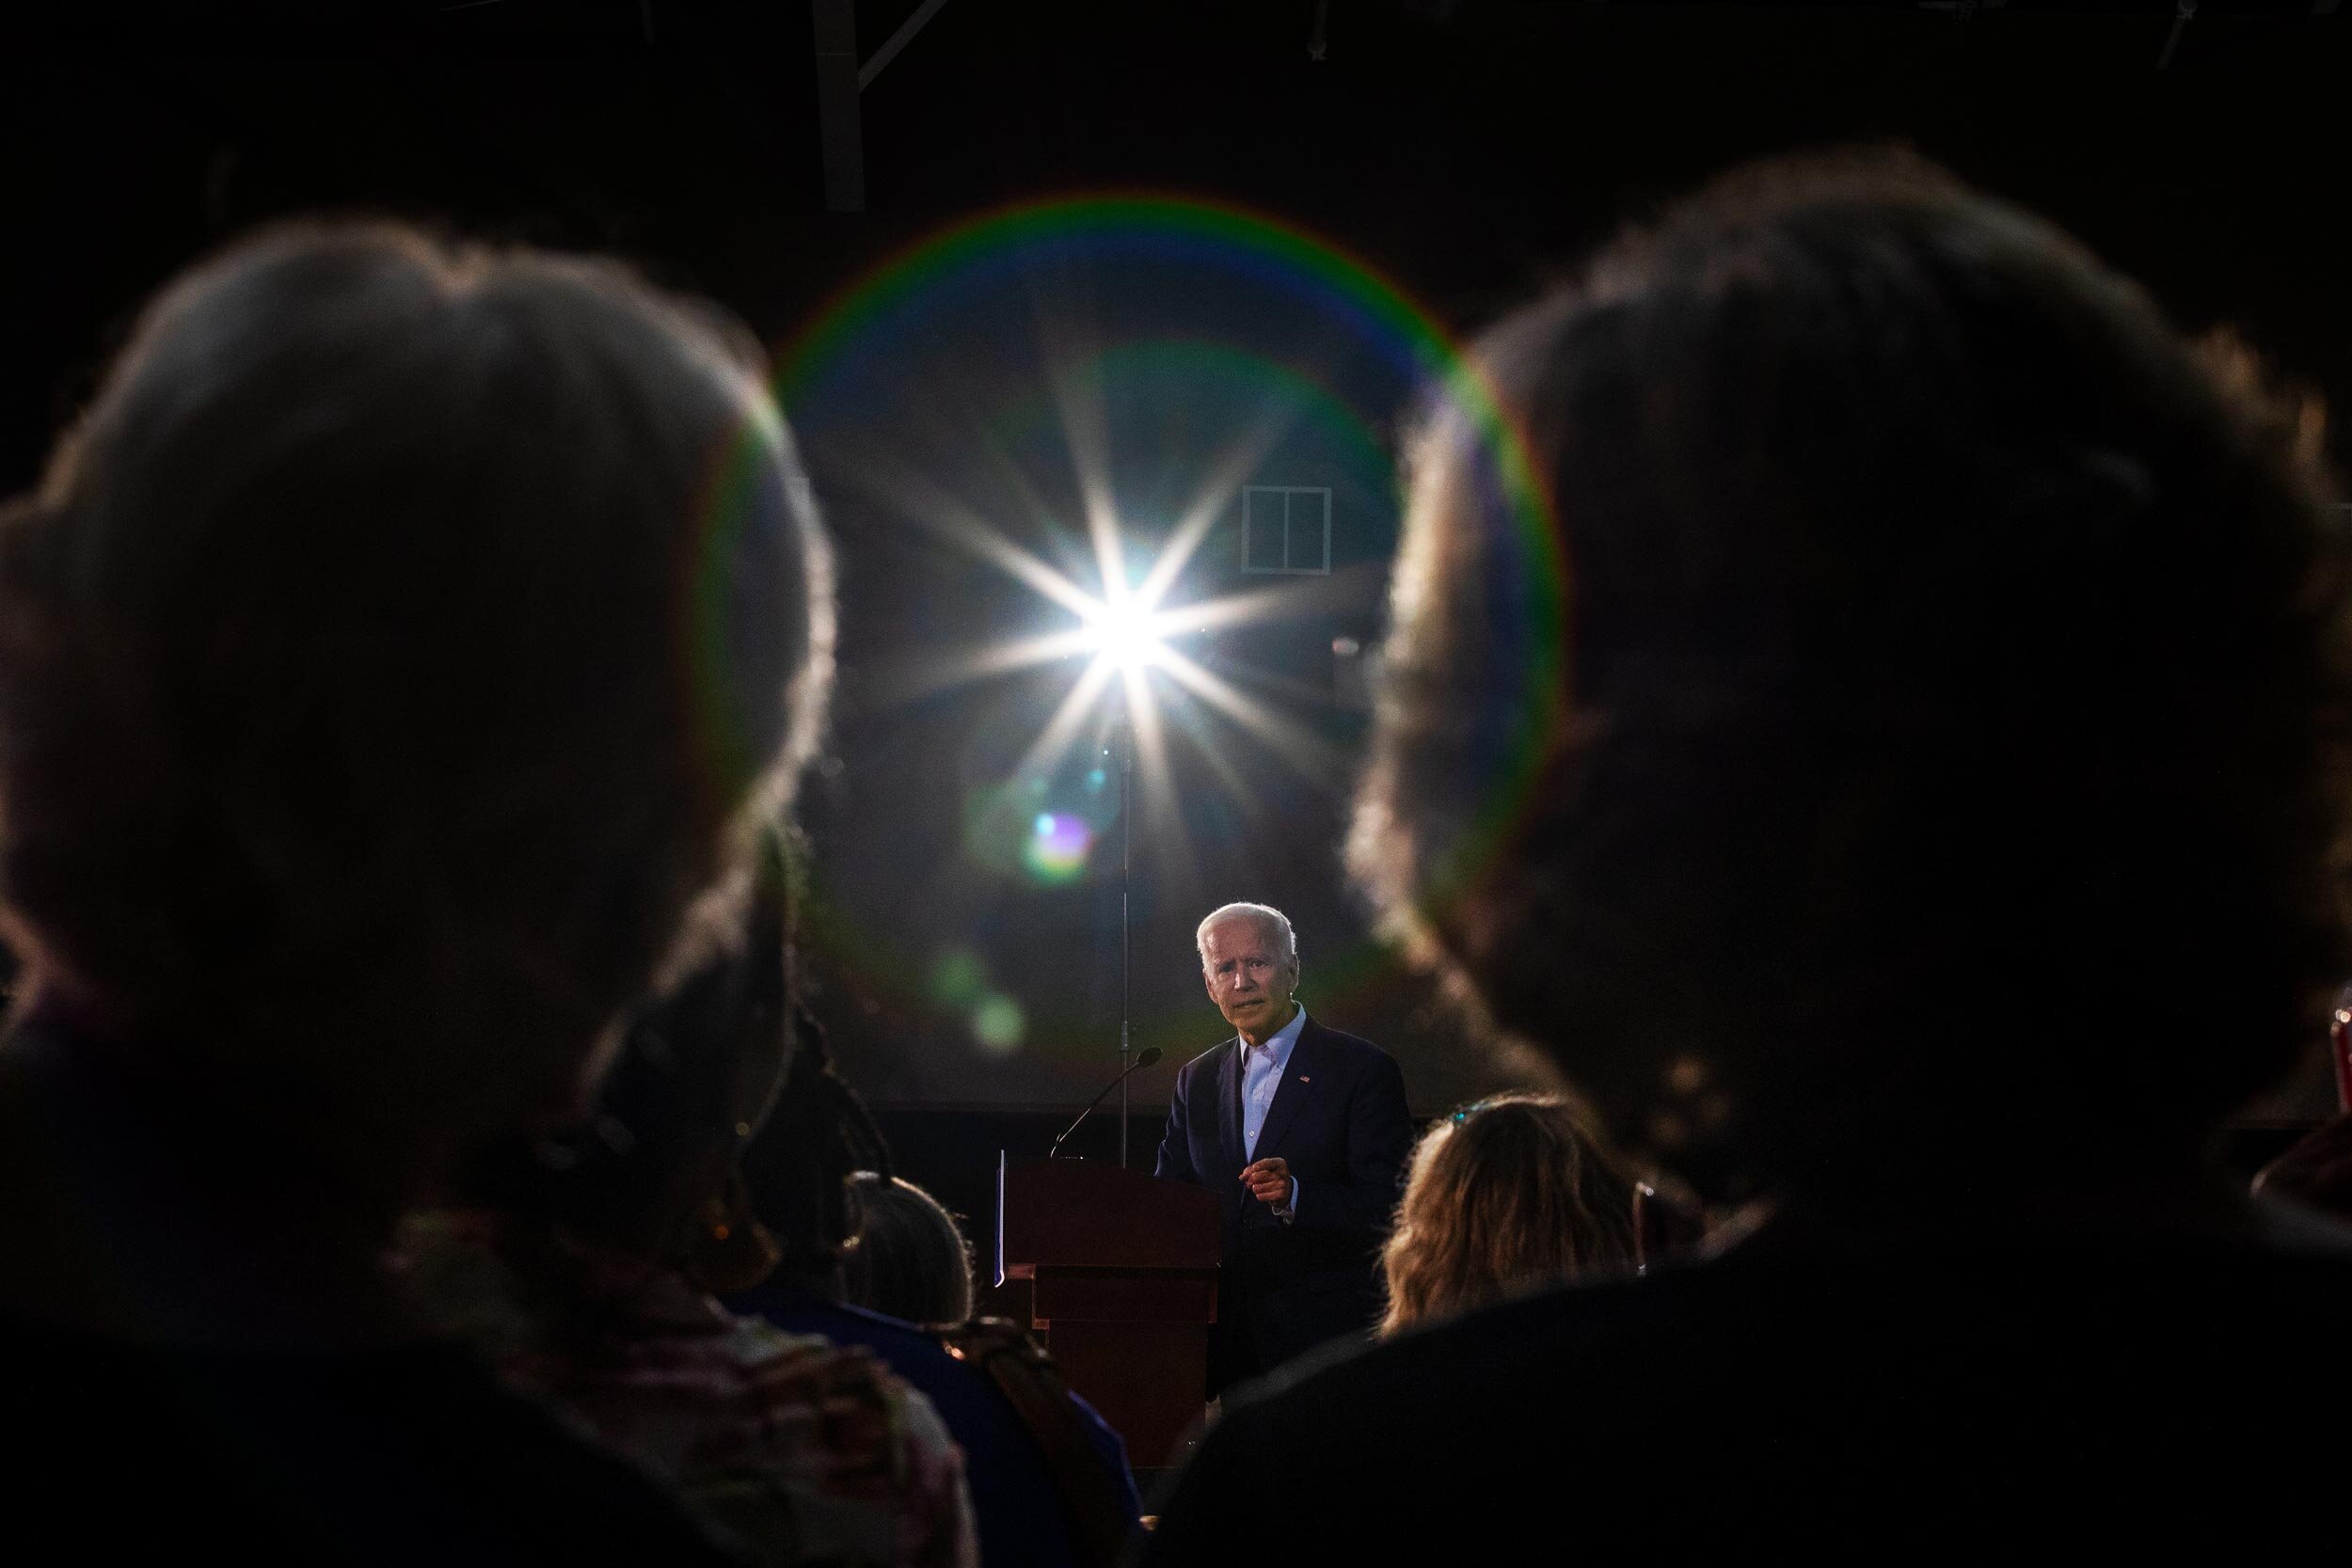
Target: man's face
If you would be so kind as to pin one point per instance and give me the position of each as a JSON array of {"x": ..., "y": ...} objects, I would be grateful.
[{"x": 1248, "y": 980}]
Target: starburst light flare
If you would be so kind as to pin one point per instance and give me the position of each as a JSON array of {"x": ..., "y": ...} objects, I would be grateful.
[
  {"x": 1128, "y": 634},
  {"x": 1078, "y": 396}
]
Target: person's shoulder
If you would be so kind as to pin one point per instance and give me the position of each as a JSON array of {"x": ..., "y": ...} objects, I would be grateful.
[
  {"x": 893, "y": 1337},
  {"x": 1339, "y": 1045},
  {"x": 1206, "y": 1061},
  {"x": 796, "y": 1312},
  {"x": 1470, "y": 1377},
  {"x": 1651, "y": 1335},
  {"x": 1767, "y": 1367},
  {"x": 1314, "y": 1457},
  {"x": 1491, "y": 1345},
  {"x": 397, "y": 1453}
]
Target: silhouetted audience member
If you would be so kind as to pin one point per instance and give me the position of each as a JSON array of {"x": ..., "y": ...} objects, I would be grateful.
[
  {"x": 909, "y": 1260},
  {"x": 586, "y": 1272},
  {"x": 1503, "y": 1199},
  {"x": 1049, "y": 1479},
  {"x": 391, "y": 663},
  {"x": 1899, "y": 647}
]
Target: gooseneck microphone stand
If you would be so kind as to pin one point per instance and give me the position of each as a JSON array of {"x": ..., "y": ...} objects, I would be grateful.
[{"x": 1150, "y": 1055}]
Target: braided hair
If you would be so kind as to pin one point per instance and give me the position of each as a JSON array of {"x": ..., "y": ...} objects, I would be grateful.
[
  {"x": 819, "y": 1135},
  {"x": 651, "y": 1170}
]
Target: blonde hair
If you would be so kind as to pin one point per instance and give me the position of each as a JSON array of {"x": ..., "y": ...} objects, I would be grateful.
[{"x": 1502, "y": 1197}]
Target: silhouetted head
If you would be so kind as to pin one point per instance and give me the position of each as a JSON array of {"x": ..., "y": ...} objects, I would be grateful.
[
  {"x": 910, "y": 1259},
  {"x": 395, "y": 661},
  {"x": 1898, "y": 744}
]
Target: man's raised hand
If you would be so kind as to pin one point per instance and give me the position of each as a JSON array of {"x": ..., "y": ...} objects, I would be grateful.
[{"x": 1268, "y": 1181}]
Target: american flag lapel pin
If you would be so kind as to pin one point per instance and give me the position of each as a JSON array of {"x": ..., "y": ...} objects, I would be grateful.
[{"x": 1304, "y": 1078}]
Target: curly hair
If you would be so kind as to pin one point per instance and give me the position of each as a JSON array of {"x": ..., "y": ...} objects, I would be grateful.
[
  {"x": 1953, "y": 658},
  {"x": 1502, "y": 1197},
  {"x": 394, "y": 662}
]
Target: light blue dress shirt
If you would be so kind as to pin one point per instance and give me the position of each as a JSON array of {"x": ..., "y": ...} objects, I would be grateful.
[{"x": 1261, "y": 1075}]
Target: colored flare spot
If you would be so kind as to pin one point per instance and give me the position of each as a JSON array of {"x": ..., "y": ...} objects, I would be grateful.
[
  {"x": 959, "y": 978},
  {"x": 998, "y": 1024},
  {"x": 1057, "y": 847}
]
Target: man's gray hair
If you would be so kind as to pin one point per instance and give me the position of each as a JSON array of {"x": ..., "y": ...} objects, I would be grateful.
[{"x": 1270, "y": 920}]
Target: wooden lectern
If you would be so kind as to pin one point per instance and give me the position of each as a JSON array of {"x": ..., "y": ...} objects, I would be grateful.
[{"x": 1122, "y": 1273}]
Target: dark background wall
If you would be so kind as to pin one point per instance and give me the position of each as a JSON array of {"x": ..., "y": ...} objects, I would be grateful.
[{"x": 1466, "y": 151}]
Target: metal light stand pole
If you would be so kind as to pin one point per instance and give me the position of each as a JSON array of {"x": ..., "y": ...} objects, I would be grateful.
[{"x": 1123, "y": 736}]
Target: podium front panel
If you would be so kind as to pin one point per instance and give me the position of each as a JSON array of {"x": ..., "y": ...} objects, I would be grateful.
[
  {"x": 1149, "y": 1381},
  {"x": 1122, "y": 1270},
  {"x": 1123, "y": 1295},
  {"x": 1083, "y": 1214}
]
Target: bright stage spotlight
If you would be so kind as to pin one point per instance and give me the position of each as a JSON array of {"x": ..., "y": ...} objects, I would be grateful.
[{"x": 1126, "y": 634}]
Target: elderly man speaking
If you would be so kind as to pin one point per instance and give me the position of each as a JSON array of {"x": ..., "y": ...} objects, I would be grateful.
[{"x": 1302, "y": 1131}]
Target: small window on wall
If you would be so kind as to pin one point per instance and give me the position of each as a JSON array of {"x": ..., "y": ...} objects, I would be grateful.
[{"x": 1286, "y": 528}]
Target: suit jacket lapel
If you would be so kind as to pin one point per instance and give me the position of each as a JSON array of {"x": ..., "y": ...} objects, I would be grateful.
[
  {"x": 1229, "y": 1106},
  {"x": 1289, "y": 1093}
]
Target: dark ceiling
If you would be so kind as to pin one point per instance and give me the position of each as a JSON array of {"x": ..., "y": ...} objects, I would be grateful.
[{"x": 1465, "y": 148}]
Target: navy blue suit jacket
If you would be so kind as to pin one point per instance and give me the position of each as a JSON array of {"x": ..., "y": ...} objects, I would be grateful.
[{"x": 1339, "y": 1118}]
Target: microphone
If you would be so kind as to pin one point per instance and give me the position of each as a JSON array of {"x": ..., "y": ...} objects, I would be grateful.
[{"x": 1150, "y": 1053}]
